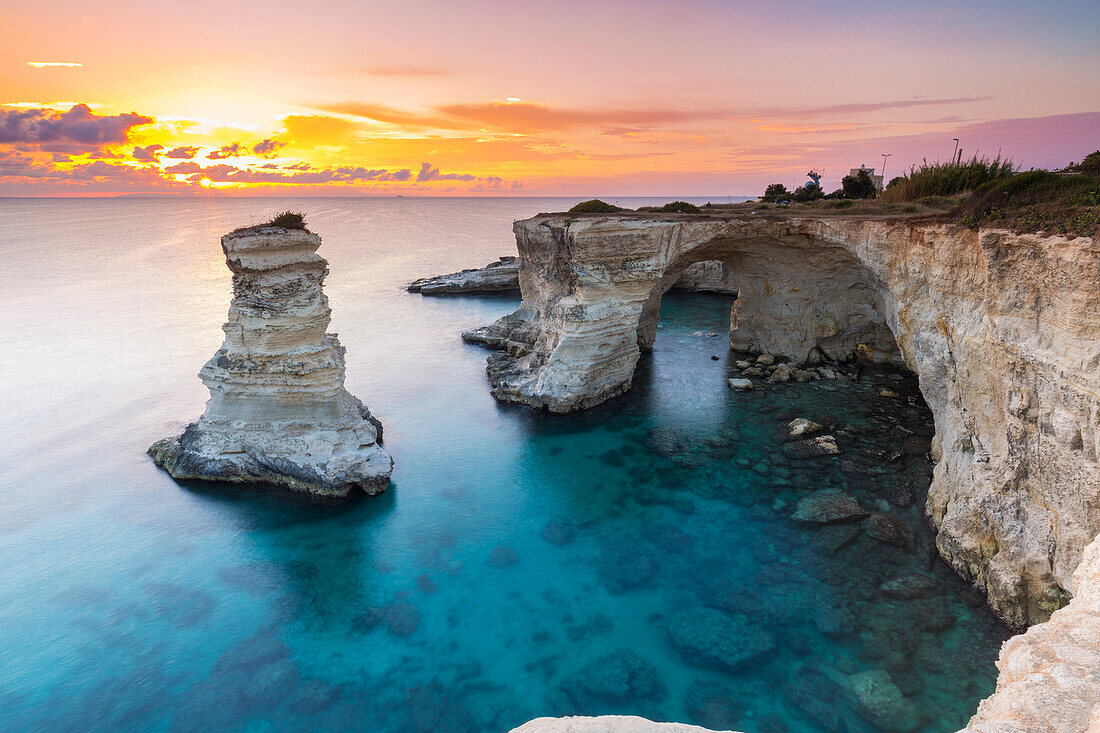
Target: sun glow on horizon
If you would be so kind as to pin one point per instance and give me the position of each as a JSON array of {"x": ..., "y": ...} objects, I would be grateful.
[{"x": 640, "y": 105}]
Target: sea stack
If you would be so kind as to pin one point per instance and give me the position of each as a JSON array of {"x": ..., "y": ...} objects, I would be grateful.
[{"x": 278, "y": 412}]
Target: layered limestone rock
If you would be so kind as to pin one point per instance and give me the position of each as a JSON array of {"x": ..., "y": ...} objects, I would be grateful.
[
  {"x": 1050, "y": 677},
  {"x": 278, "y": 412},
  {"x": 1002, "y": 329},
  {"x": 496, "y": 277},
  {"x": 502, "y": 276}
]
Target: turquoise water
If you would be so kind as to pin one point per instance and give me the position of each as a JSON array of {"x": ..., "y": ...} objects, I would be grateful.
[{"x": 521, "y": 564}]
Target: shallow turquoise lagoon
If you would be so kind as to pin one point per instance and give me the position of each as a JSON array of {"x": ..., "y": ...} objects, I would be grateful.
[{"x": 639, "y": 558}]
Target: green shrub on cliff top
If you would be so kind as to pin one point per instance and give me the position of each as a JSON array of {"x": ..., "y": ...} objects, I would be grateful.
[
  {"x": 1037, "y": 201},
  {"x": 289, "y": 220},
  {"x": 680, "y": 207},
  {"x": 947, "y": 179},
  {"x": 594, "y": 206}
]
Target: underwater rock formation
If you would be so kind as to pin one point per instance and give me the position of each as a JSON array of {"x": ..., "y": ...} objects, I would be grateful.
[
  {"x": 278, "y": 412},
  {"x": 1002, "y": 329}
]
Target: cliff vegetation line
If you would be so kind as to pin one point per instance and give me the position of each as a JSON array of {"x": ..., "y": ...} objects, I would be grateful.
[{"x": 982, "y": 192}]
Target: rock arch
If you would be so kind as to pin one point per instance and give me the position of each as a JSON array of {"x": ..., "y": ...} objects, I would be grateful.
[{"x": 1003, "y": 331}]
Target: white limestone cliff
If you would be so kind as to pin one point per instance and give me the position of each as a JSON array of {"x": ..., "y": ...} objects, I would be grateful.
[
  {"x": 606, "y": 724},
  {"x": 1050, "y": 676},
  {"x": 278, "y": 412},
  {"x": 502, "y": 276},
  {"x": 1002, "y": 329}
]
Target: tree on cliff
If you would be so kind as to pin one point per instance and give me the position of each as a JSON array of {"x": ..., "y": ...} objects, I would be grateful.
[{"x": 775, "y": 192}]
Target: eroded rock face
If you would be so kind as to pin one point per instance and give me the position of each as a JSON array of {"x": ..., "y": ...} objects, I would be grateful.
[
  {"x": 496, "y": 277},
  {"x": 278, "y": 412},
  {"x": 502, "y": 276},
  {"x": 1002, "y": 329}
]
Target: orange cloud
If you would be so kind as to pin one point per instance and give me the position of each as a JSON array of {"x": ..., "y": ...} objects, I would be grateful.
[{"x": 523, "y": 117}]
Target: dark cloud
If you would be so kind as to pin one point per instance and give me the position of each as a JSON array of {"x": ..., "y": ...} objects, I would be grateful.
[
  {"x": 234, "y": 150},
  {"x": 429, "y": 172},
  {"x": 186, "y": 152},
  {"x": 78, "y": 127},
  {"x": 148, "y": 154},
  {"x": 267, "y": 148},
  {"x": 298, "y": 167}
]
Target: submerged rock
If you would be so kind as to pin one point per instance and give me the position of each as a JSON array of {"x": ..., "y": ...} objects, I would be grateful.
[
  {"x": 889, "y": 530},
  {"x": 558, "y": 532},
  {"x": 822, "y": 445},
  {"x": 909, "y": 587},
  {"x": 713, "y": 705},
  {"x": 278, "y": 412},
  {"x": 739, "y": 384},
  {"x": 800, "y": 427},
  {"x": 880, "y": 701},
  {"x": 828, "y": 507},
  {"x": 503, "y": 556},
  {"x": 707, "y": 637},
  {"x": 620, "y": 676},
  {"x": 815, "y": 696},
  {"x": 624, "y": 570}
]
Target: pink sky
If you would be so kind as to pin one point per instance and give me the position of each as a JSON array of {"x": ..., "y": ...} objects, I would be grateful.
[{"x": 568, "y": 98}]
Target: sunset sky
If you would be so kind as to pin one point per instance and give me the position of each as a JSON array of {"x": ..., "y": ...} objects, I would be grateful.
[{"x": 512, "y": 98}]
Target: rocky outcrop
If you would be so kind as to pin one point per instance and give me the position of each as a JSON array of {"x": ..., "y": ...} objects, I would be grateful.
[
  {"x": 1050, "y": 676},
  {"x": 605, "y": 724},
  {"x": 502, "y": 276},
  {"x": 278, "y": 412},
  {"x": 1002, "y": 329}
]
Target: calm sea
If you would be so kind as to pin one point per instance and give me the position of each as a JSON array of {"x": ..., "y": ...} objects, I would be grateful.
[{"x": 638, "y": 558}]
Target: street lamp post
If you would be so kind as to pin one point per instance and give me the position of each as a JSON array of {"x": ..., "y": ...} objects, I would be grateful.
[{"x": 956, "y": 150}]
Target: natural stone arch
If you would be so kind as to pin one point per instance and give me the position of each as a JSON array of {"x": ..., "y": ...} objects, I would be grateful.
[
  {"x": 802, "y": 300},
  {"x": 1002, "y": 330}
]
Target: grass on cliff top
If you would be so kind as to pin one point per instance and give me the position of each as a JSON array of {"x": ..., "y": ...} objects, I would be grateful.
[
  {"x": 288, "y": 220},
  {"x": 674, "y": 207},
  {"x": 946, "y": 179},
  {"x": 1034, "y": 201},
  {"x": 984, "y": 193}
]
